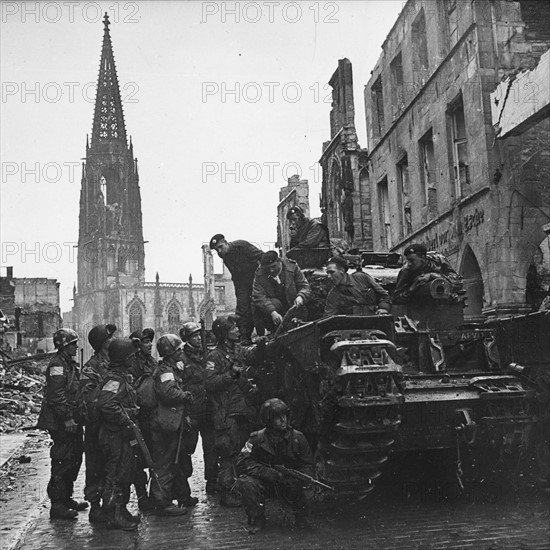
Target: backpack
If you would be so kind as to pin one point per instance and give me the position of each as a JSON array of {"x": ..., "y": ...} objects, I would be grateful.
[
  {"x": 145, "y": 391},
  {"x": 87, "y": 397}
]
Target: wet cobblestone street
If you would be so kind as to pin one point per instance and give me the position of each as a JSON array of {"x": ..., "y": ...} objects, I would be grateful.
[{"x": 402, "y": 514}]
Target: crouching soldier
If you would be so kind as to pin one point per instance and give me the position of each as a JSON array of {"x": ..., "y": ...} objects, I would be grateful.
[
  {"x": 276, "y": 444},
  {"x": 59, "y": 416},
  {"x": 93, "y": 372},
  {"x": 118, "y": 409},
  {"x": 233, "y": 400},
  {"x": 168, "y": 428}
]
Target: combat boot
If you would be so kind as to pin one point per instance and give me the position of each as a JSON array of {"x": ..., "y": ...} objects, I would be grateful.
[
  {"x": 115, "y": 519},
  {"x": 74, "y": 505},
  {"x": 128, "y": 516},
  {"x": 170, "y": 511},
  {"x": 96, "y": 515},
  {"x": 229, "y": 500},
  {"x": 255, "y": 525},
  {"x": 60, "y": 511}
]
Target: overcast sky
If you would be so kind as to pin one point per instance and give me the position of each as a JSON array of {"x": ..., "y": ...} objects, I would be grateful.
[{"x": 206, "y": 92}]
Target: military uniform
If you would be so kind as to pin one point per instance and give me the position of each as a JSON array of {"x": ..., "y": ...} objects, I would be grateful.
[
  {"x": 242, "y": 260},
  {"x": 200, "y": 413},
  {"x": 168, "y": 421},
  {"x": 117, "y": 404},
  {"x": 310, "y": 234},
  {"x": 271, "y": 294},
  {"x": 356, "y": 294},
  {"x": 91, "y": 378},
  {"x": 234, "y": 409},
  {"x": 60, "y": 405},
  {"x": 257, "y": 479}
]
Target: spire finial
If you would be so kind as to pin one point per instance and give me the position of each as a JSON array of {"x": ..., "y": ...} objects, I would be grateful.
[{"x": 106, "y": 21}]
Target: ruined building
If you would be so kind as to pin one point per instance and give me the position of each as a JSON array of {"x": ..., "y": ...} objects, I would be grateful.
[
  {"x": 111, "y": 257},
  {"x": 459, "y": 144}
]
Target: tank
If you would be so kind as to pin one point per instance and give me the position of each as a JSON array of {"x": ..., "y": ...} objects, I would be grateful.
[{"x": 364, "y": 388}]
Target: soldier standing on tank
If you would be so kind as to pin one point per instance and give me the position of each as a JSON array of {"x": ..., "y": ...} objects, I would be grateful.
[
  {"x": 117, "y": 406},
  {"x": 276, "y": 444},
  {"x": 194, "y": 378},
  {"x": 241, "y": 258},
  {"x": 59, "y": 415},
  {"x": 93, "y": 372},
  {"x": 233, "y": 399},
  {"x": 143, "y": 365},
  {"x": 306, "y": 232},
  {"x": 168, "y": 427}
]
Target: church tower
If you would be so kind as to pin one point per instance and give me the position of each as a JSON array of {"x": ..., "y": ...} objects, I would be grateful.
[{"x": 110, "y": 241}]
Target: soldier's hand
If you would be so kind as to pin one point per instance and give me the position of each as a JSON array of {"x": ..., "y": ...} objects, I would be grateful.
[
  {"x": 382, "y": 311},
  {"x": 299, "y": 301},
  {"x": 189, "y": 396},
  {"x": 70, "y": 425},
  {"x": 276, "y": 318}
]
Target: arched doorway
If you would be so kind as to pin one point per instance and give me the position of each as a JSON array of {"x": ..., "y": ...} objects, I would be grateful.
[{"x": 473, "y": 284}]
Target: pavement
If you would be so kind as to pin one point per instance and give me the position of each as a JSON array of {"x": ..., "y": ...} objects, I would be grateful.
[
  {"x": 9, "y": 445},
  {"x": 405, "y": 513}
]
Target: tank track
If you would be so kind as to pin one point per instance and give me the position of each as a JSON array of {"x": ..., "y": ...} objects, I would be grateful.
[{"x": 366, "y": 415}]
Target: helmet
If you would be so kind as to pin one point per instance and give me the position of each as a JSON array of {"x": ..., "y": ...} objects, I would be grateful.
[
  {"x": 271, "y": 409},
  {"x": 63, "y": 337},
  {"x": 168, "y": 344},
  {"x": 99, "y": 334},
  {"x": 188, "y": 330},
  {"x": 120, "y": 350},
  {"x": 222, "y": 325},
  {"x": 145, "y": 334}
]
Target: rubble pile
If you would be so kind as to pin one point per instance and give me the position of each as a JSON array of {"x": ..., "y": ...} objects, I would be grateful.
[{"x": 21, "y": 390}]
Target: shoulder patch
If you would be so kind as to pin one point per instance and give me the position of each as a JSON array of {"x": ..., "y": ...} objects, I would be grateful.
[
  {"x": 166, "y": 376},
  {"x": 210, "y": 365},
  {"x": 247, "y": 449},
  {"x": 56, "y": 371},
  {"x": 112, "y": 386}
]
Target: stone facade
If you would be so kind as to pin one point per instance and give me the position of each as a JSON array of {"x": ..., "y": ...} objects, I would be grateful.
[
  {"x": 438, "y": 172},
  {"x": 31, "y": 306},
  {"x": 345, "y": 193},
  {"x": 296, "y": 193}
]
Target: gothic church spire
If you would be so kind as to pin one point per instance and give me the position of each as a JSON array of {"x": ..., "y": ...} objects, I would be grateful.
[{"x": 108, "y": 114}]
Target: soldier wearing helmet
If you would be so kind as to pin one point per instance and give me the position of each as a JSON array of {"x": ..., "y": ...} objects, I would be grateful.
[
  {"x": 100, "y": 338},
  {"x": 118, "y": 408},
  {"x": 306, "y": 232},
  {"x": 168, "y": 427},
  {"x": 144, "y": 362},
  {"x": 143, "y": 367},
  {"x": 276, "y": 444},
  {"x": 59, "y": 415},
  {"x": 241, "y": 258},
  {"x": 233, "y": 399},
  {"x": 194, "y": 378}
]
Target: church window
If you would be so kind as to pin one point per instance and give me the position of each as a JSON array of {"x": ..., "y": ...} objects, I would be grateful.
[
  {"x": 174, "y": 319},
  {"x": 136, "y": 317}
]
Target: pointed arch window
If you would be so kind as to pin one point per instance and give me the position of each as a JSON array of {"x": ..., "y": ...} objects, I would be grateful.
[
  {"x": 174, "y": 318},
  {"x": 136, "y": 317}
]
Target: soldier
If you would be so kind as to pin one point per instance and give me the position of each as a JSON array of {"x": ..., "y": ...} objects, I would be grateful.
[
  {"x": 422, "y": 267},
  {"x": 306, "y": 232},
  {"x": 194, "y": 378},
  {"x": 143, "y": 366},
  {"x": 145, "y": 362},
  {"x": 168, "y": 427},
  {"x": 117, "y": 406},
  {"x": 279, "y": 284},
  {"x": 93, "y": 372},
  {"x": 355, "y": 294},
  {"x": 241, "y": 258},
  {"x": 233, "y": 399},
  {"x": 59, "y": 415},
  {"x": 276, "y": 444}
]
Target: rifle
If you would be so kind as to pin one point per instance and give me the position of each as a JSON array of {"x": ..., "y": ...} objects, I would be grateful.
[
  {"x": 139, "y": 441},
  {"x": 203, "y": 343},
  {"x": 307, "y": 481}
]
